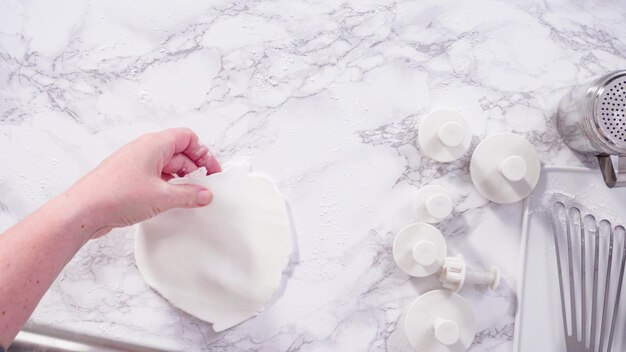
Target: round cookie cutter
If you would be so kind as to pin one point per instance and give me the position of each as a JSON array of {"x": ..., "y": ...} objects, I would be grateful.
[
  {"x": 419, "y": 250},
  {"x": 444, "y": 135},
  {"x": 433, "y": 204},
  {"x": 439, "y": 321},
  {"x": 505, "y": 168}
]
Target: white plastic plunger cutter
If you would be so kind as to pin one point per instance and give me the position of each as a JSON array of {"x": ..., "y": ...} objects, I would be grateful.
[
  {"x": 439, "y": 321},
  {"x": 455, "y": 274},
  {"x": 425, "y": 253},
  {"x": 451, "y": 134},
  {"x": 447, "y": 332},
  {"x": 433, "y": 204},
  {"x": 419, "y": 250},
  {"x": 444, "y": 135},
  {"x": 505, "y": 168},
  {"x": 513, "y": 168}
]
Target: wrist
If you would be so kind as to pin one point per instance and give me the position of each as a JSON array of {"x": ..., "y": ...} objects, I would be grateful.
[{"x": 77, "y": 216}]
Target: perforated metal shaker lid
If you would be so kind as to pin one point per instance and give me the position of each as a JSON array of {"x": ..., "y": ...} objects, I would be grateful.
[{"x": 609, "y": 109}]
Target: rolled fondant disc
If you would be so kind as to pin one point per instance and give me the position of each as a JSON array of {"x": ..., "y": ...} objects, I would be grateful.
[{"x": 221, "y": 263}]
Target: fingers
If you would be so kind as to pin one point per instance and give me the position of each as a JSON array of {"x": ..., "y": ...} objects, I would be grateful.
[
  {"x": 209, "y": 161},
  {"x": 185, "y": 141},
  {"x": 180, "y": 165},
  {"x": 186, "y": 196}
]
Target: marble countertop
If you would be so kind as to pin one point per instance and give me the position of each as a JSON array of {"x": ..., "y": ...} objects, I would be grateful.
[{"x": 324, "y": 96}]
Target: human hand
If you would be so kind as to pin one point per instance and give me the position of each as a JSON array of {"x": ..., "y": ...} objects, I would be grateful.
[{"x": 131, "y": 185}]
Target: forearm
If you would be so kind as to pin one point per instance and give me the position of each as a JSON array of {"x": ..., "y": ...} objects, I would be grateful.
[
  {"x": 126, "y": 188},
  {"x": 33, "y": 253}
]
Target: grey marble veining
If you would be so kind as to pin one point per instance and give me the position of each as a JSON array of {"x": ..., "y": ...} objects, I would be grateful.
[{"x": 324, "y": 96}]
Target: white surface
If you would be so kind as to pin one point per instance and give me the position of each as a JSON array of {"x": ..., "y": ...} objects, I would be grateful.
[
  {"x": 444, "y": 135},
  {"x": 432, "y": 204},
  {"x": 419, "y": 249},
  {"x": 505, "y": 168},
  {"x": 323, "y": 96},
  {"x": 221, "y": 263},
  {"x": 539, "y": 320},
  {"x": 440, "y": 321}
]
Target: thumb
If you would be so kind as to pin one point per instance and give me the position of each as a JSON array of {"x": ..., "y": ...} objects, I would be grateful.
[{"x": 187, "y": 196}]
